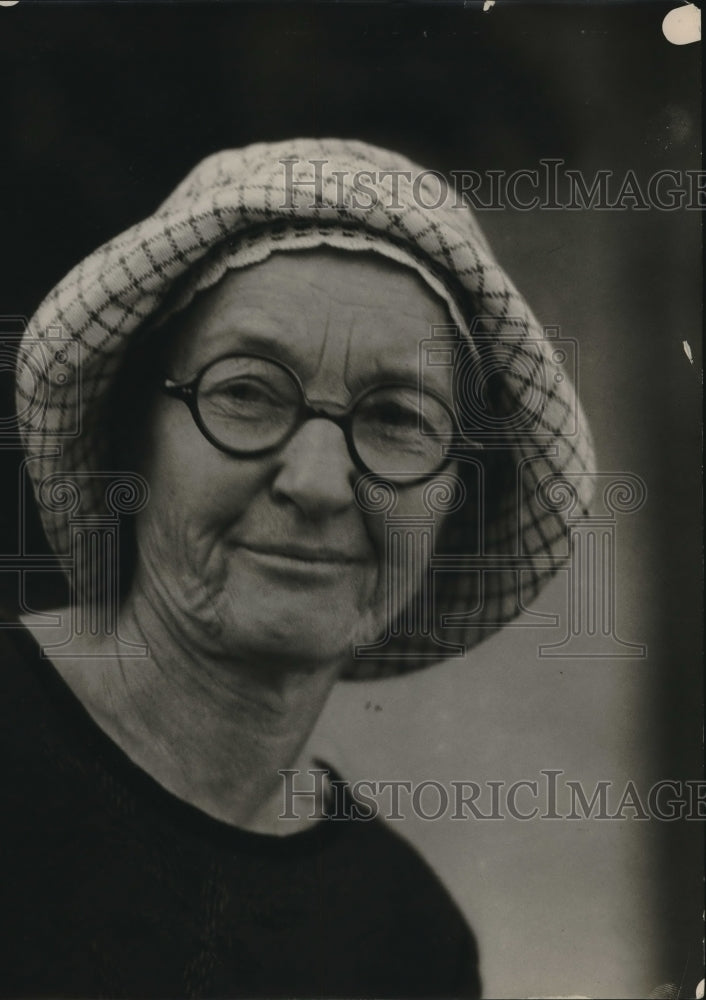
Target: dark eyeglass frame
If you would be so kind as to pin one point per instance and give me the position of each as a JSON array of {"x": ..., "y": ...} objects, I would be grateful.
[{"x": 188, "y": 393}]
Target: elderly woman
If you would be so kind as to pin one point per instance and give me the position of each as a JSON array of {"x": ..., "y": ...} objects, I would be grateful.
[{"x": 256, "y": 352}]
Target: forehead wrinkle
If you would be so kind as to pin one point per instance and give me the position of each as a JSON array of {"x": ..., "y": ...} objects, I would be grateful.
[
  {"x": 329, "y": 361},
  {"x": 251, "y": 330},
  {"x": 333, "y": 334},
  {"x": 395, "y": 360}
]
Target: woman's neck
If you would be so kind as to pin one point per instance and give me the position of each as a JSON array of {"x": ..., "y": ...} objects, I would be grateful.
[{"x": 214, "y": 731}]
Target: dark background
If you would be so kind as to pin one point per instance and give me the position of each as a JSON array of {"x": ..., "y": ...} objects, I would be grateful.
[{"x": 106, "y": 106}]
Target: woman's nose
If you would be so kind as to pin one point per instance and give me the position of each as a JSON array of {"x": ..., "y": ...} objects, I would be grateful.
[{"x": 316, "y": 471}]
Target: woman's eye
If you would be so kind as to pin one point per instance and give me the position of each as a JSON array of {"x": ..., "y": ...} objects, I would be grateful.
[
  {"x": 243, "y": 392},
  {"x": 401, "y": 417},
  {"x": 395, "y": 417}
]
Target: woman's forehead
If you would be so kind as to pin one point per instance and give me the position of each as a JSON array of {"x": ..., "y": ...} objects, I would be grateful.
[{"x": 356, "y": 313}]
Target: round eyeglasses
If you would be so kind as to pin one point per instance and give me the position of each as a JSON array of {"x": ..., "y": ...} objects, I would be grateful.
[{"x": 248, "y": 405}]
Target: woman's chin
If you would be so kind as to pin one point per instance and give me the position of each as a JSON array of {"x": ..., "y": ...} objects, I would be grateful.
[
  {"x": 296, "y": 648},
  {"x": 303, "y": 632}
]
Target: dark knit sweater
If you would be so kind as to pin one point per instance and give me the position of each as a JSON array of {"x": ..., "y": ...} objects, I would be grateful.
[{"x": 113, "y": 887}]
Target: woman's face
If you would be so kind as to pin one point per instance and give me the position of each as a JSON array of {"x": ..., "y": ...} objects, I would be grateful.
[{"x": 272, "y": 555}]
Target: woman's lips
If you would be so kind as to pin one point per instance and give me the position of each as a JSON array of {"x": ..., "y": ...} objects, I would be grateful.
[{"x": 306, "y": 554}]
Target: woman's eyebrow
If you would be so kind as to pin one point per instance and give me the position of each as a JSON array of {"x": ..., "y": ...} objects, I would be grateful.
[
  {"x": 389, "y": 370},
  {"x": 238, "y": 339}
]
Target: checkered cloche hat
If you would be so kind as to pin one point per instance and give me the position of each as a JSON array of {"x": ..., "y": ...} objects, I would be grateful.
[{"x": 513, "y": 394}]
